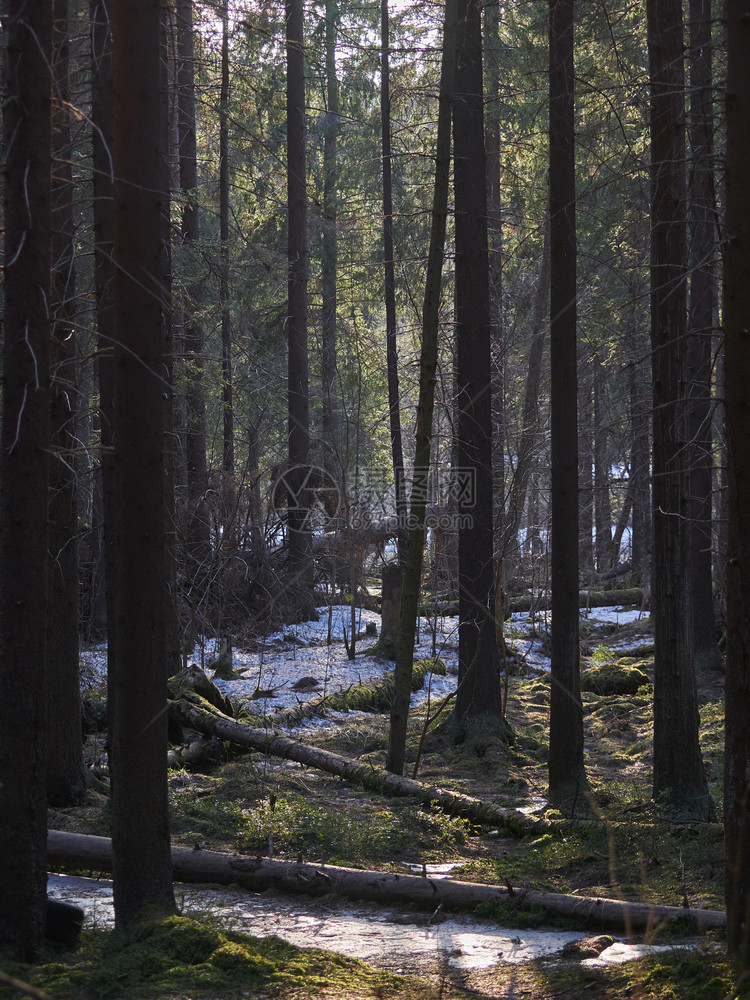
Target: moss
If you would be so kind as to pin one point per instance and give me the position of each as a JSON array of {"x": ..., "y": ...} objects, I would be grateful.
[
  {"x": 613, "y": 678},
  {"x": 378, "y": 697},
  {"x": 236, "y": 957},
  {"x": 182, "y": 939}
]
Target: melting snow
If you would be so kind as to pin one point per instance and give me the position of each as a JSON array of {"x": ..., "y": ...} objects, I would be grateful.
[{"x": 376, "y": 934}]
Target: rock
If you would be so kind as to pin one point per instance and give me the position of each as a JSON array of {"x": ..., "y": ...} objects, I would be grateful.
[
  {"x": 306, "y": 684},
  {"x": 587, "y": 947},
  {"x": 613, "y": 678}
]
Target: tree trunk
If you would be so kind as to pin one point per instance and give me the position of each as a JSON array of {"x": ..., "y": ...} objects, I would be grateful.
[
  {"x": 226, "y": 323},
  {"x": 530, "y": 427},
  {"x": 702, "y": 212},
  {"x": 425, "y": 404},
  {"x": 567, "y": 778},
  {"x": 24, "y": 471},
  {"x": 102, "y": 143},
  {"x": 491, "y": 26},
  {"x": 66, "y": 774},
  {"x": 640, "y": 453},
  {"x": 194, "y": 711},
  {"x": 300, "y": 563},
  {"x": 332, "y": 457},
  {"x": 478, "y": 667},
  {"x": 736, "y": 312},
  {"x": 259, "y": 875},
  {"x": 585, "y": 478},
  {"x": 394, "y": 402},
  {"x": 142, "y": 868},
  {"x": 197, "y": 541},
  {"x": 602, "y": 504},
  {"x": 679, "y": 778}
]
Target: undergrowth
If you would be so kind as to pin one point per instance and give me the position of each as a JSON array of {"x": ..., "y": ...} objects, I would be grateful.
[{"x": 259, "y": 805}]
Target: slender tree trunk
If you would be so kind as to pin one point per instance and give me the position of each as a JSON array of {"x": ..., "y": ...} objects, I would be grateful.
[
  {"x": 226, "y": 324},
  {"x": 394, "y": 402},
  {"x": 24, "y": 473},
  {"x": 567, "y": 778},
  {"x": 102, "y": 141},
  {"x": 478, "y": 670},
  {"x": 679, "y": 779},
  {"x": 585, "y": 477},
  {"x": 640, "y": 453},
  {"x": 300, "y": 562},
  {"x": 142, "y": 870},
  {"x": 329, "y": 263},
  {"x": 602, "y": 502},
  {"x": 491, "y": 26},
  {"x": 425, "y": 404},
  {"x": 736, "y": 312},
  {"x": 530, "y": 427},
  {"x": 700, "y": 340},
  {"x": 66, "y": 774},
  {"x": 198, "y": 526},
  {"x": 169, "y": 129}
]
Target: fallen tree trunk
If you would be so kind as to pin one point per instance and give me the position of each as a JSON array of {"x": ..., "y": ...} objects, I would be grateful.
[
  {"x": 194, "y": 711},
  {"x": 259, "y": 874},
  {"x": 525, "y": 602}
]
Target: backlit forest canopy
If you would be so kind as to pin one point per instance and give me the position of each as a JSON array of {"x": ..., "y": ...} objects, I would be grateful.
[{"x": 613, "y": 227}]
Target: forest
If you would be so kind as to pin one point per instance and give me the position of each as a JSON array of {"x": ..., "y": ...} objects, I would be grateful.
[{"x": 430, "y": 312}]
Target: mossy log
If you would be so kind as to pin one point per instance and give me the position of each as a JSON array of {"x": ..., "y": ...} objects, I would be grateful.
[
  {"x": 259, "y": 874},
  {"x": 195, "y": 712},
  {"x": 526, "y": 602}
]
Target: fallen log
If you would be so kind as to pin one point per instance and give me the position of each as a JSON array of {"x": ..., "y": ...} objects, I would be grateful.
[
  {"x": 259, "y": 874},
  {"x": 195, "y": 712}
]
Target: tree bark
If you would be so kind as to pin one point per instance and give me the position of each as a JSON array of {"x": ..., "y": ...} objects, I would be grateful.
[
  {"x": 567, "y": 777},
  {"x": 604, "y": 547},
  {"x": 142, "y": 869},
  {"x": 197, "y": 540},
  {"x": 394, "y": 402},
  {"x": 24, "y": 474},
  {"x": 102, "y": 144},
  {"x": 530, "y": 427},
  {"x": 679, "y": 778},
  {"x": 736, "y": 312},
  {"x": 702, "y": 212},
  {"x": 491, "y": 37},
  {"x": 300, "y": 562},
  {"x": 66, "y": 774},
  {"x": 425, "y": 404},
  {"x": 332, "y": 457},
  {"x": 478, "y": 662},
  {"x": 226, "y": 322},
  {"x": 259, "y": 874},
  {"x": 640, "y": 454}
]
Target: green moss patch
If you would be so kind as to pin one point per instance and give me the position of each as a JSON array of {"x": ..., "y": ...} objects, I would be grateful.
[{"x": 613, "y": 679}]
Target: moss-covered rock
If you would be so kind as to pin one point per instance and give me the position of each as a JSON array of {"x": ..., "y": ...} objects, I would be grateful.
[{"x": 613, "y": 678}]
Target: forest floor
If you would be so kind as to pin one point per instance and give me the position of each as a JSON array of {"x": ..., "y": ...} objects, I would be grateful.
[{"x": 252, "y": 804}]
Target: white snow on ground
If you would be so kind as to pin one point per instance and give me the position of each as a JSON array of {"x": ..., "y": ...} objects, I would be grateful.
[
  {"x": 267, "y": 677},
  {"x": 376, "y": 934}
]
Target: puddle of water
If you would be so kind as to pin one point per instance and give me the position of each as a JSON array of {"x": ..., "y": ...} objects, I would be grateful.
[{"x": 379, "y": 935}]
